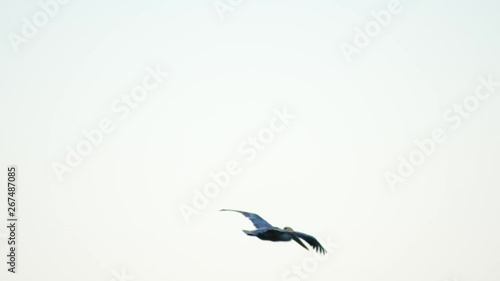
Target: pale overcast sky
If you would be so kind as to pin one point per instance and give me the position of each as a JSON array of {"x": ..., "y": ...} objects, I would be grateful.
[{"x": 372, "y": 125}]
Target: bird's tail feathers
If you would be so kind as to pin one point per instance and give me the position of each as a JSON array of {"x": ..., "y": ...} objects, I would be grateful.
[{"x": 249, "y": 232}]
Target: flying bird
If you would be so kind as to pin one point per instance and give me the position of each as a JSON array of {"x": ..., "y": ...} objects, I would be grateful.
[{"x": 265, "y": 231}]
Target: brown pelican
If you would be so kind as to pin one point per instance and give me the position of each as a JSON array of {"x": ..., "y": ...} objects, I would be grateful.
[{"x": 266, "y": 231}]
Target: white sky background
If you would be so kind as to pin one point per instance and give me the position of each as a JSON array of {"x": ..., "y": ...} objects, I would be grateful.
[{"x": 323, "y": 174}]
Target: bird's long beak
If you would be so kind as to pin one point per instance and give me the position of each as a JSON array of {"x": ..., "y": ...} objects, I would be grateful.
[{"x": 296, "y": 239}]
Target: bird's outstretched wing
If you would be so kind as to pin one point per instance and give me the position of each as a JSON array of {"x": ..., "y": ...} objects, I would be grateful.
[
  {"x": 257, "y": 221},
  {"x": 311, "y": 241}
]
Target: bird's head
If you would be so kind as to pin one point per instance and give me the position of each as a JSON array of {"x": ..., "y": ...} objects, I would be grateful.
[{"x": 287, "y": 228}]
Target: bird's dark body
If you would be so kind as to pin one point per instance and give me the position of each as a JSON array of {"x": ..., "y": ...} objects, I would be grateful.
[{"x": 269, "y": 235}]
